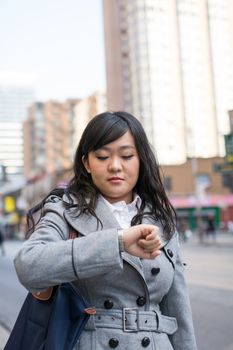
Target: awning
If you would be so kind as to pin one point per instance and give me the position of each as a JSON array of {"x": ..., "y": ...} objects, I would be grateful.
[{"x": 213, "y": 200}]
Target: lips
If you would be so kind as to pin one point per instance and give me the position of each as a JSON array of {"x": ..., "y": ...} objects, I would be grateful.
[{"x": 115, "y": 178}]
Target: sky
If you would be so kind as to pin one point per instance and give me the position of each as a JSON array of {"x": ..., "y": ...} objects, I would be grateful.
[{"x": 55, "y": 45}]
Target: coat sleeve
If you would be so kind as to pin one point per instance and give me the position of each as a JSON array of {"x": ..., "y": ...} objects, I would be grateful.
[
  {"x": 176, "y": 303},
  {"x": 49, "y": 258}
]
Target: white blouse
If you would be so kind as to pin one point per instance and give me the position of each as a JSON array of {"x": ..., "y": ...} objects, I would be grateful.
[{"x": 123, "y": 212}]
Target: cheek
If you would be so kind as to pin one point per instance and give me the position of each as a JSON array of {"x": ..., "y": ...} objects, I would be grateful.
[
  {"x": 96, "y": 171},
  {"x": 136, "y": 165},
  {"x": 134, "y": 169}
]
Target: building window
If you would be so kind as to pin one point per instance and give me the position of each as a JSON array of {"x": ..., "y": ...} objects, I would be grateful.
[{"x": 168, "y": 183}]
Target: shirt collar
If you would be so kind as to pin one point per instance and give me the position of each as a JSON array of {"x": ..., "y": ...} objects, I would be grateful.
[{"x": 121, "y": 205}]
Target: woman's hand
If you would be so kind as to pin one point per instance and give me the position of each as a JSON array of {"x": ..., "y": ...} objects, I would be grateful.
[{"x": 142, "y": 241}]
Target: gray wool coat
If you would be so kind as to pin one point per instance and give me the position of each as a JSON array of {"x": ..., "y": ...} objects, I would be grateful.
[{"x": 140, "y": 303}]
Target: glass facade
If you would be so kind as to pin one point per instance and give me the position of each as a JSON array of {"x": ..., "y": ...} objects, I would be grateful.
[
  {"x": 14, "y": 102},
  {"x": 176, "y": 66}
]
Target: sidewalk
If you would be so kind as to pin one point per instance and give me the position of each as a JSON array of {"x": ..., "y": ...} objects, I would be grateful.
[
  {"x": 11, "y": 248},
  {"x": 209, "y": 265},
  {"x": 223, "y": 240}
]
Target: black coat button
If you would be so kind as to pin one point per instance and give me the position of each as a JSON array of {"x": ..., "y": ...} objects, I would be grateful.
[
  {"x": 170, "y": 252},
  {"x": 155, "y": 270},
  {"x": 108, "y": 304},
  {"x": 141, "y": 301},
  {"x": 145, "y": 342},
  {"x": 113, "y": 342}
]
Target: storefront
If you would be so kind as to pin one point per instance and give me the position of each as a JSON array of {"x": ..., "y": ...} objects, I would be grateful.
[{"x": 188, "y": 209}]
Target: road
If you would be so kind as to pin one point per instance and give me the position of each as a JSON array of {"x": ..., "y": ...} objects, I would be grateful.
[
  {"x": 209, "y": 273},
  {"x": 12, "y": 292}
]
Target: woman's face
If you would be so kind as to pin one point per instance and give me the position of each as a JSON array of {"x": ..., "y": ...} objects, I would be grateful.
[{"x": 114, "y": 168}]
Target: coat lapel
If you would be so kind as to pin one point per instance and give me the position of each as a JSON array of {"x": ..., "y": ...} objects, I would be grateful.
[{"x": 85, "y": 224}]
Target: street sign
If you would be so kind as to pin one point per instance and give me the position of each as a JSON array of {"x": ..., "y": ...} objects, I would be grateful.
[
  {"x": 229, "y": 147},
  {"x": 9, "y": 203}
]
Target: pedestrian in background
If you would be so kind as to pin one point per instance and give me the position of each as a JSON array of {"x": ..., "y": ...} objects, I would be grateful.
[
  {"x": 230, "y": 226},
  {"x": 126, "y": 257},
  {"x": 211, "y": 229},
  {"x": 201, "y": 229},
  {"x": 184, "y": 231},
  {"x": 2, "y": 242}
]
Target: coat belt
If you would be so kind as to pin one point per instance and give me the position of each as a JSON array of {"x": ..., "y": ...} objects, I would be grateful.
[{"x": 132, "y": 320}]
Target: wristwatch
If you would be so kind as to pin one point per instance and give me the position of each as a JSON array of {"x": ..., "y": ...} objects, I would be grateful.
[{"x": 121, "y": 241}]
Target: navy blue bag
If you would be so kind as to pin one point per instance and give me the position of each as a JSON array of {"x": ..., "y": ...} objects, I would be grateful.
[{"x": 53, "y": 324}]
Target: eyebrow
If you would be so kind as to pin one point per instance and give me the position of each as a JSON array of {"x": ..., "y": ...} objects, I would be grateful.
[{"x": 106, "y": 148}]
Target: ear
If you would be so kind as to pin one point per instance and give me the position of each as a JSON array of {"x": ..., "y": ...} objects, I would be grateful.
[{"x": 86, "y": 163}]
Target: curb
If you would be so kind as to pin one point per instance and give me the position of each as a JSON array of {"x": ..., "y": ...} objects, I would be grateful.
[{"x": 4, "y": 334}]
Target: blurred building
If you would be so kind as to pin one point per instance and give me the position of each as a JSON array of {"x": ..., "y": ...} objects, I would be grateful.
[
  {"x": 84, "y": 111},
  {"x": 170, "y": 63},
  {"x": 14, "y": 101},
  {"x": 15, "y": 97},
  {"x": 46, "y": 137},
  {"x": 51, "y": 135},
  {"x": 52, "y": 132},
  {"x": 47, "y": 133}
]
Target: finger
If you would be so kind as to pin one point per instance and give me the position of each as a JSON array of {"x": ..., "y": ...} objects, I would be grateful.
[
  {"x": 151, "y": 255},
  {"x": 152, "y": 235},
  {"x": 155, "y": 254},
  {"x": 148, "y": 229},
  {"x": 145, "y": 244},
  {"x": 155, "y": 243},
  {"x": 151, "y": 248},
  {"x": 149, "y": 244}
]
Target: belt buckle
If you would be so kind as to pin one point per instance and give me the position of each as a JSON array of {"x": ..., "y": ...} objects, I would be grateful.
[{"x": 124, "y": 315}]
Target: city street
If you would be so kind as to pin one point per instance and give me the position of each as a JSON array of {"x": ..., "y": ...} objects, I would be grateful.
[
  {"x": 209, "y": 272},
  {"x": 12, "y": 293}
]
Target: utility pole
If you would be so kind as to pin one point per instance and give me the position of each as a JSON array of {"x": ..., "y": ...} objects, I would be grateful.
[
  {"x": 226, "y": 169},
  {"x": 3, "y": 174}
]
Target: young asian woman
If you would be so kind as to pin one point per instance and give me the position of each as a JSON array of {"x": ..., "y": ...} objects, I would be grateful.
[{"x": 126, "y": 257}]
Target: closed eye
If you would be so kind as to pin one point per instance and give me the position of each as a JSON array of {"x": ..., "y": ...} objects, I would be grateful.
[
  {"x": 102, "y": 158},
  {"x": 127, "y": 157}
]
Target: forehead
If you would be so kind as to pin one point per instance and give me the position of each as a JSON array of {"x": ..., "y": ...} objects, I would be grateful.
[{"x": 126, "y": 141}]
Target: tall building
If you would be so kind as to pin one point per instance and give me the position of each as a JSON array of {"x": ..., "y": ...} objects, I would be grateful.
[
  {"x": 170, "y": 63},
  {"x": 14, "y": 102}
]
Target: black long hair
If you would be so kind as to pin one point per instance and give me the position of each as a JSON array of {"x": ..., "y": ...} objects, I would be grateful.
[{"x": 101, "y": 130}]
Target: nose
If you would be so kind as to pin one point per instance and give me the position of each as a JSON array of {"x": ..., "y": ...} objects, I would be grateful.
[{"x": 115, "y": 164}]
